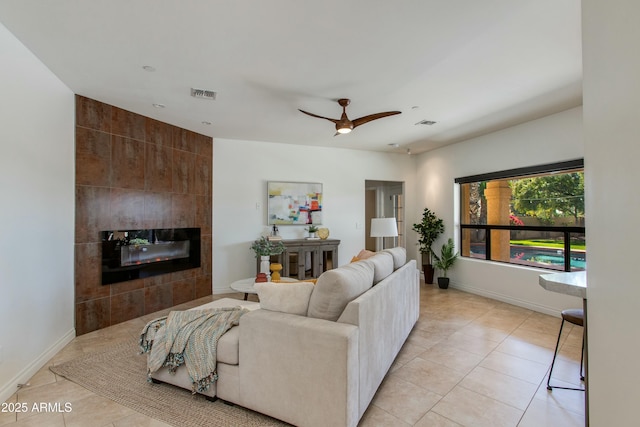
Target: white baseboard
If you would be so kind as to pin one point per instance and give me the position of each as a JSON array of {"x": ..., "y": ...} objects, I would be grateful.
[
  {"x": 508, "y": 299},
  {"x": 226, "y": 290},
  {"x": 7, "y": 390}
]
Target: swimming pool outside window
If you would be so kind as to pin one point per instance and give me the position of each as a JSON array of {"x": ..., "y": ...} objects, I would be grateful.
[{"x": 530, "y": 216}]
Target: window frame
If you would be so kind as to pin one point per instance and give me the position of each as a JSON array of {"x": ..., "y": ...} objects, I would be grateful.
[{"x": 558, "y": 167}]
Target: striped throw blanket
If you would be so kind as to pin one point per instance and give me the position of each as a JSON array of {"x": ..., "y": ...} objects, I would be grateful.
[{"x": 190, "y": 338}]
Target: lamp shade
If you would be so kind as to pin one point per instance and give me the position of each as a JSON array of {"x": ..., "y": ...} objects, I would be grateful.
[{"x": 384, "y": 227}]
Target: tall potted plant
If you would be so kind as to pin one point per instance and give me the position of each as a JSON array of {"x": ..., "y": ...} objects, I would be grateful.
[
  {"x": 445, "y": 261},
  {"x": 429, "y": 230}
]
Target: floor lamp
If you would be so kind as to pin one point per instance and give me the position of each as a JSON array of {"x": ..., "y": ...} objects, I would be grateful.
[{"x": 384, "y": 227}]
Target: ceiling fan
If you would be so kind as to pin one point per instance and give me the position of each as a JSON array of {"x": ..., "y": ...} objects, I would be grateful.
[{"x": 344, "y": 125}]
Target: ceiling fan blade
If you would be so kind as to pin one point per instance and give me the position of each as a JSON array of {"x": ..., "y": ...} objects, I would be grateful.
[
  {"x": 370, "y": 117},
  {"x": 320, "y": 117}
]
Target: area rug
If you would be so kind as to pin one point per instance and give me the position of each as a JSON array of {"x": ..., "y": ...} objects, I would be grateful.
[{"x": 119, "y": 374}]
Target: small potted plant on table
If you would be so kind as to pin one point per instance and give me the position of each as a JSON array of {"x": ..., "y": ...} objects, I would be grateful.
[
  {"x": 445, "y": 261},
  {"x": 312, "y": 229}
]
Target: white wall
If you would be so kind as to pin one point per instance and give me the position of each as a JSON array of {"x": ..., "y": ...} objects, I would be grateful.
[
  {"x": 550, "y": 139},
  {"x": 37, "y": 214},
  {"x": 612, "y": 148},
  {"x": 242, "y": 170}
]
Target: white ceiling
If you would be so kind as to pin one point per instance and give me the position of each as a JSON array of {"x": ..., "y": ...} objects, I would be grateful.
[{"x": 473, "y": 66}]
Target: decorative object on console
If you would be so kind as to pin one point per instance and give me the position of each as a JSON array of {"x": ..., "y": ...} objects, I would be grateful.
[
  {"x": 261, "y": 278},
  {"x": 265, "y": 262},
  {"x": 445, "y": 261},
  {"x": 429, "y": 230},
  {"x": 312, "y": 229},
  {"x": 275, "y": 235},
  {"x": 275, "y": 271},
  {"x": 323, "y": 233},
  {"x": 384, "y": 227},
  {"x": 294, "y": 203}
]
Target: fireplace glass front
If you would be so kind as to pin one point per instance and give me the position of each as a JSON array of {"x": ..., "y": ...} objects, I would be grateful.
[{"x": 136, "y": 254}]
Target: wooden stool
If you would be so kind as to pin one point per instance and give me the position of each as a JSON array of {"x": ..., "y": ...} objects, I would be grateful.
[{"x": 576, "y": 317}]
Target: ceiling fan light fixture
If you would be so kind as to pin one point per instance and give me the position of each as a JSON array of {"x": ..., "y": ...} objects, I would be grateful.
[{"x": 344, "y": 125}]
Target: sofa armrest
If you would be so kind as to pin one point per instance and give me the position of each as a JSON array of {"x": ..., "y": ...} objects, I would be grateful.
[
  {"x": 298, "y": 369},
  {"x": 385, "y": 315}
]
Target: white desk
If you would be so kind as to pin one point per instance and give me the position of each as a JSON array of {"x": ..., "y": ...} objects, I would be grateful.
[{"x": 574, "y": 284}]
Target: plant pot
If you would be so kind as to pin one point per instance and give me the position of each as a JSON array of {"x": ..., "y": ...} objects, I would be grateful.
[
  {"x": 443, "y": 282},
  {"x": 427, "y": 269}
]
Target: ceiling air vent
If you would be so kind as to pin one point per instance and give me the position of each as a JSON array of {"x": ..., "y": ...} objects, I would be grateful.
[
  {"x": 203, "y": 94},
  {"x": 426, "y": 122}
]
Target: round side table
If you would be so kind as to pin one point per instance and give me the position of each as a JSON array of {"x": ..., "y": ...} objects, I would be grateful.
[{"x": 246, "y": 285}]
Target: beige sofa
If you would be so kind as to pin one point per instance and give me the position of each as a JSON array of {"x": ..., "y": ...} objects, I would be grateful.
[{"x": 322, "y": 368}]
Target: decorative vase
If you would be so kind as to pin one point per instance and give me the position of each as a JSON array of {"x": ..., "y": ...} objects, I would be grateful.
[
  {"x": 275, "y": 271},
  {"x": 323, "y": 233},
  {"x": 265, "y": 262}
]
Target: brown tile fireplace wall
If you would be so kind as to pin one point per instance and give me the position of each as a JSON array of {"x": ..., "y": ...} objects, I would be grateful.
[{"x": 133, "y": 172}]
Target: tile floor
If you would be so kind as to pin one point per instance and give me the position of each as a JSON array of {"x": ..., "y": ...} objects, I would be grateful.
[{"x": 470, "y": 361}]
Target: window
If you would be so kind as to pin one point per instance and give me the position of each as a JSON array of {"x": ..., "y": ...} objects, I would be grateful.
[{"x": 531, "y": 216}]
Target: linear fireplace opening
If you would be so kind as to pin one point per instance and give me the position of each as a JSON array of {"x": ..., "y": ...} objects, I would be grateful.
[{"x": 136, "y": 254}]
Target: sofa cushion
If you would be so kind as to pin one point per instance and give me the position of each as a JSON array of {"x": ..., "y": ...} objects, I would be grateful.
[
  {"x": 227, "y": 350},
  {"x": 336, "y": 288},
  {"x": 383, "y": 266},
  {"x": 399, "y": 255},
  {"x": 290, "y": 298}
]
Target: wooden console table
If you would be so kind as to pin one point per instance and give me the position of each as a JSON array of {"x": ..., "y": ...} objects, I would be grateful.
[{"x": 323, "y": 256}]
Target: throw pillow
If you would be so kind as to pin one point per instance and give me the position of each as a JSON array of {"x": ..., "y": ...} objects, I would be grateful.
[
  {"x": 336, "y": 288},
  {"x": 290, "y": 298},
  {"x": 364, "y": 254}
]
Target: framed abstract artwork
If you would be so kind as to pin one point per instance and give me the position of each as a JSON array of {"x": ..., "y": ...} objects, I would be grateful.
[{"x": 294, "y": 203}]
